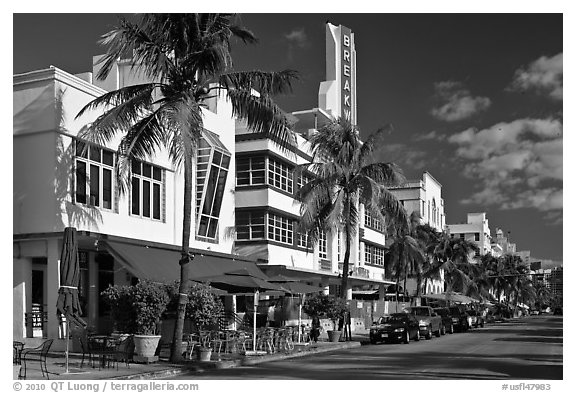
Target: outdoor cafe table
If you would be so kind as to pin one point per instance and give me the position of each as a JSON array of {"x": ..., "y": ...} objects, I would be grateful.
[{"x": 104, "y": 347}]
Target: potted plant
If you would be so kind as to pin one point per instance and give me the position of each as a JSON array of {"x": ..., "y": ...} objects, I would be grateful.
[
  {"x": 328, "y": 306},
  {"x": 204, "y": 308},
  {"x": 137, "y": 310}
]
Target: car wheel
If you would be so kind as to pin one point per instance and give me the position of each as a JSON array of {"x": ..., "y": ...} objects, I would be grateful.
[
  {"x": 443, "y": 330},
  {"x": 482, "y": 324},
  {"x": 437, "y": 333},
  {"x": 407, "y": 337},
  {"x": 372, "y": 341},
  {"x": 417, "y": 338},
  {"x": 429, "y": 333}
]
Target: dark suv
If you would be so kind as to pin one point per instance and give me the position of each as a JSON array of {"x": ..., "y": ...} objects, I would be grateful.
[
  {"x": 459, "y": 319},
  {"x": 447, "y": 326}
]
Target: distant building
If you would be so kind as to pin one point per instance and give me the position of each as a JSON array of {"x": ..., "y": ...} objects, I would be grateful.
[
  {"x": 476, "y": 230},
  {"x": 504, "y": 242},
  {"x": 556, "y": 281},
  {"x": 424, "y": 197}
]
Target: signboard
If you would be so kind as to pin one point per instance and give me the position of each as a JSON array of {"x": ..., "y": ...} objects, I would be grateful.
[{"x": 346, "y": 73}]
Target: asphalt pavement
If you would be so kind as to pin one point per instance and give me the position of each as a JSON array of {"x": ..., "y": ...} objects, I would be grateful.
[{"x": 529, "y": 348}]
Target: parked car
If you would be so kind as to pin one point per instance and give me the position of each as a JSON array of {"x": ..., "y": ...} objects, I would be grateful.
[
  {"x": 478, "y": 319},
  {"x": 459, "y": 319},
  {"x": 398, "y": 327},
  {"x": 534, "y": 312},
  {"x": 428, "y": 320},
  {"x": 444, "y": 313}
]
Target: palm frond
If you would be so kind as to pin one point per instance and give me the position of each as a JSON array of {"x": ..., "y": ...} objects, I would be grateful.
[
  {"x": 262, "y": 115},
  {"x": 265, "y": 83},
  {"x": 130, "y": 40}
]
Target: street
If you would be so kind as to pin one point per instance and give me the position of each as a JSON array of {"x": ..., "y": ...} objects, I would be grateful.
[{"x": 527, "y": 348}]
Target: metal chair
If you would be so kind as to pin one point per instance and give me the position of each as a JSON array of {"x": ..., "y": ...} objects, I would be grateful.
[
  {"x": 124, "y": 350},
  {"x": 37, "y": 354},
  {"x": 17, "y": 353}
]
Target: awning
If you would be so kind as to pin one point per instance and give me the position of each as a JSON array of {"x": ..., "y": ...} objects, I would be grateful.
[{"x": 161, "y": 264}]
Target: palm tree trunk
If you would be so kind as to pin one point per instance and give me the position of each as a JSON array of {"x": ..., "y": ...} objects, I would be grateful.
[
  {"x": 346, "y": 264},
  {"x": 176, "y": 348}
]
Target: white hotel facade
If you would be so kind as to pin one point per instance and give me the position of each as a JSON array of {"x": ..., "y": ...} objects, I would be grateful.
[{"x": 244, "y": 186}]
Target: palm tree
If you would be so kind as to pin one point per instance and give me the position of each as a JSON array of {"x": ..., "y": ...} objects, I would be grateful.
[
  {"x": 406, "y": 256},
  {"x": 187, "y": 59},
  {"x": 346, "y": 175},
  {"x": 452, "y": 255}
]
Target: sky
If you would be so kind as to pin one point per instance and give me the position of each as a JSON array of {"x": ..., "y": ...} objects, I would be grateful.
[{"x": 474, "y": 99}]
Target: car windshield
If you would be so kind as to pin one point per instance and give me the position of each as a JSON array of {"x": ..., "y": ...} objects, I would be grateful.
[
  {"x": 441, "y": 311},
  {"x": 454, "y": 311},
  {"x": 398, "y": 318},
  {"x": 419, "y": 311}
]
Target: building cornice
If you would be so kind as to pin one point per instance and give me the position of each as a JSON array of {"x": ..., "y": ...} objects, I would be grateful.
[{"x": 57, "y": 74}]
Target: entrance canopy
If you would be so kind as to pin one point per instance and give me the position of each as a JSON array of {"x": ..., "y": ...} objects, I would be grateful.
[{"x": 161, "y": 264}]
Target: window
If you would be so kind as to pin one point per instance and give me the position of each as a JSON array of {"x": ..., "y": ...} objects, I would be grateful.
[
  {"x": 303, "y": 241},
  {"x": 280, "y": 229},
  {"x": 93, "y": 175},
  {"x": 250, "y": 171},
  {"x": 451, "y": 236},
  {"x": 339, "y": 248},
  {"x": 211, "y": 174},
  {"x": 322, "y": 245},
  {"x": 249, "y": 225},
  {"x": 279, "y": 175},
  {"x": 477, "y": 236},
  {"x": 146, "y": 190},
  {"x": 372, "y": 222},
  {"x": 303, "y": 179},
  {"x": 462, "y": 236},
  {"x": 373, "y": 255}
]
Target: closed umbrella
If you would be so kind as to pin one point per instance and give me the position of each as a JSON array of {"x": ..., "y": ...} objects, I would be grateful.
[
  {"x": 68, "y": 304},
  {"x": 239, "y": 282}
]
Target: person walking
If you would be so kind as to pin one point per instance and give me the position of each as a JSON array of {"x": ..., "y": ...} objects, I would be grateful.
[{"x": 316, "y": 327}]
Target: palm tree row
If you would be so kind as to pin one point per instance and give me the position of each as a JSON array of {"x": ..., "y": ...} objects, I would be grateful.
[{"x": 422, "y": 253}]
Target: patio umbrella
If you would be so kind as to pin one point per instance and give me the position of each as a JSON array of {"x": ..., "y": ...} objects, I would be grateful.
[
  {"x": 68, "y": 303},
  {"x": 451, "y": 297},
  {"x": 294, "y": 286},
  {"x": 239, "y": 282}
]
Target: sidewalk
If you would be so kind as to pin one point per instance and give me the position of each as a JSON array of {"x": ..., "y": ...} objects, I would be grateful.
[{"x": 164, "y": 369}]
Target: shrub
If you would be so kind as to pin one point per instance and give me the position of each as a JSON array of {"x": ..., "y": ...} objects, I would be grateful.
[
  {"x": 328, "y": 306},
  {"x": 137, "y": 309}
]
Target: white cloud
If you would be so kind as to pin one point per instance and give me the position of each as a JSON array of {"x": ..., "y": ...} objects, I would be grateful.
[
  {"x": 297, "y": 37},
  {"x": 544, "y": 75},
  {"x": 517, "y": 164},
  {"x": 503, "y": 137},
  {"x": 456, "y": 102},
  {"x": 432, "y": 135}
]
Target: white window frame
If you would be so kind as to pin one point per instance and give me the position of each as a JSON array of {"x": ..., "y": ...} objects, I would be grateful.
[
  {"x": 251, "y": 170},
  {"x": 141, "y": 179},
  {"x": 280, "y": 229},
  {"x": 280, "y": 175},
  {"x": 88, "y": 162}
]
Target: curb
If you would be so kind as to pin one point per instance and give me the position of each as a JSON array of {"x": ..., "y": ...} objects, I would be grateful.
[{"x": 212, "y": 365}]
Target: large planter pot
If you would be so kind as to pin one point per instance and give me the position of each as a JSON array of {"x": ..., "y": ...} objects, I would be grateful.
[
  {"x": 334, "y": 335},
  {"x": 145, "y": 346},
  {"x": 204, "y": 354}
]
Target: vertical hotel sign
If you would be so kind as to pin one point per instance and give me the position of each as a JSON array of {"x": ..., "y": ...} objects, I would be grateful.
[{"x": 346, "y": 76}]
